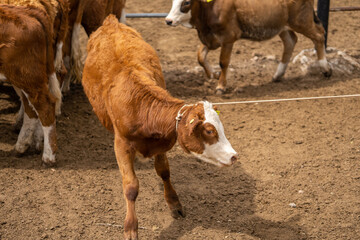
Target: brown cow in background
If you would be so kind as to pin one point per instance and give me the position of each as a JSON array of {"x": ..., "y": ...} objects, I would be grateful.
[
  {"x": 27, "y": 62},
  {"x": 220, "y": 23},
  {"x": 89, "y": 14}
]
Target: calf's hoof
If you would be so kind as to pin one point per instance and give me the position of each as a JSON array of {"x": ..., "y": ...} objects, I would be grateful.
[
  {"x": 178, "y": 212},
  {"x": 130, "y": 235},
  {"x": 48, "y": 163},
  {"x": 277, "y": 79},
  {"x": 219, "y": 91},
  {"x": 328, "y": 73}
]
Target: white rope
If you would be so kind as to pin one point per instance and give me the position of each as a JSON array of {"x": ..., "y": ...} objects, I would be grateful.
[
  {"x": 288, "y": 99},
  {"x": 180, "y": 114}
]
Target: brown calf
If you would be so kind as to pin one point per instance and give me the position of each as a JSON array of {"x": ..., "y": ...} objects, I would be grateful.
[
  {"x": 27, "y": 61},
  {"x": 123, "y": 80},
  {"x": 220, "y": 23}
]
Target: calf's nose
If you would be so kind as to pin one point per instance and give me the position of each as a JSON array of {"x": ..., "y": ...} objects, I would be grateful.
[
  {"x": 168, "y": 22},
  {"x": 234, "y": 158}
]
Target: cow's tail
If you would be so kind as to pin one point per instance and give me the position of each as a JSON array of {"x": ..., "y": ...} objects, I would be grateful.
[
  {"x": 78, "y": 40},
  {"x": 63, "y": 26}
]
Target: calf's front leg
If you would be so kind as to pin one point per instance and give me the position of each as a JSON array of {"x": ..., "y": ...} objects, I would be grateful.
[
  {"x": 172, "y": 199},
  {"x": 224, "y": 64},
  {"x": 125, "y": 159}
]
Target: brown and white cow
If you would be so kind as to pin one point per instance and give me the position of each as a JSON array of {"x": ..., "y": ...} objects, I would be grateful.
[
  {"x": 220, "y": 23},
  {"x": 27, "y": 62},
  {"x": 124, "y": 83},
  {"x": 58, "y": 11},
  {"x": 89, "y": 14}
]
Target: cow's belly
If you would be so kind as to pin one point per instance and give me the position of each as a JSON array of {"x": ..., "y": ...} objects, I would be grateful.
[
  {"x": 261, "y": 19},
  {"x": 259, "y": 33}
]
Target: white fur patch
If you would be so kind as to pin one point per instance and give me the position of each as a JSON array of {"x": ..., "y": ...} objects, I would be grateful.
[
  {"x": 219, "y": 153},
  {"x": 2, "y": 77},
  {"x": 48, "y": 154},
  {"x": 26, "y": 134},
  {"x": 54, "y": 88},
  {"x": 177, "y": 17},
  {"x": 59, "y": 56},
  {"x": 280, "y": 70},
  {"x": 323, "y": 64}
]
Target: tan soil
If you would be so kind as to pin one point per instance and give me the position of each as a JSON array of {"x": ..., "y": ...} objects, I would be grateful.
[{"x": 302, "y": 152}]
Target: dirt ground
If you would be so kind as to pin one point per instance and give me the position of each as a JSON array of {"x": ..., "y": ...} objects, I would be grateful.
[{"x": 299, "y": 171}]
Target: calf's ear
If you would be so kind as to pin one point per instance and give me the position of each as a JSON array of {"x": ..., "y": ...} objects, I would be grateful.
[{"x": 194, "y": 124}]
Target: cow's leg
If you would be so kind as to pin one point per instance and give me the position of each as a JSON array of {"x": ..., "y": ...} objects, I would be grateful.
[
  {"x": 44, "y": 105},
  {"x": 20, "y": 114},
  {"x": 224, "y": 64},
  {"x": 289, "y": 40},
  {"x": 38, "y": 136},
  {"x": 172, "y": 199},
  {"x": 29, "y": 122},
  {"x": 312, "y": 28},
  {"x": 202, "y": 54},
  {"x": 125, "y": 159}
]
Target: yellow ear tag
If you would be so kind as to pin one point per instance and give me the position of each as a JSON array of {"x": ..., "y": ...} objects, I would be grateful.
[
  {"x": 191, "y": 121},
  {"x": 209, "y": 0},
  {"x": 218, "y": 112}
]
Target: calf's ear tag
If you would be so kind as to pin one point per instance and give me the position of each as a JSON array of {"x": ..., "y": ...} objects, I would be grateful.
[
  {"x": 218, "y": 112},
  {"x": 191, "y": 121}
]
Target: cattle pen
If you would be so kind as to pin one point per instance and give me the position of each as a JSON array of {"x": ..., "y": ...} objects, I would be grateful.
[{"x": 298, "y": 141}]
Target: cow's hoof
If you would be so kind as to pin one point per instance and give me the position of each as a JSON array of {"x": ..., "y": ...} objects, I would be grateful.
[
  {"x": 219, "y": 91},
  {"x": 130, "y": 235},
  {"x": 48, "y": 164},
  {"x": 328, "y": 73},
  {"x": 277, "y": 79},
  {"x": 178, "y": 213}
]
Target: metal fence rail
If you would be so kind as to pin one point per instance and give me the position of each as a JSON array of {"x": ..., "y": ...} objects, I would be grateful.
[{"x": 146, "y": 15}]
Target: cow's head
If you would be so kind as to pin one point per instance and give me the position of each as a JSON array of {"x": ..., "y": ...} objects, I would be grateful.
[
  {"x": 180, "y": 13},
  {"x": 201, "y": 133}
]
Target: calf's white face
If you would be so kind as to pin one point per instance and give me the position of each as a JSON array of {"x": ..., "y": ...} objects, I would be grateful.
[
  {"x": 176, "y": 17},
  {"x": 203, "y": 136}
]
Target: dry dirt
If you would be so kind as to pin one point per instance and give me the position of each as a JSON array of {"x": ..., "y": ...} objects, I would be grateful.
[{"x": 298, "y": 176}]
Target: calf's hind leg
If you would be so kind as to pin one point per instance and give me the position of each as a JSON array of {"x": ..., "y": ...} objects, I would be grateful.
[
  {"x": 125, "y": 159},
  {"x": 29, "y": 122},
  {"x": 172, "y": 199},
  {"x": 202, "y": 59},
  {"x": 225, "y": 56},
  {"x": 314, "y": 30}
]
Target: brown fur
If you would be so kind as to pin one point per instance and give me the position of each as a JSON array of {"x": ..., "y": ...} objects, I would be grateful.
[{"x": 57, "y": 11}]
